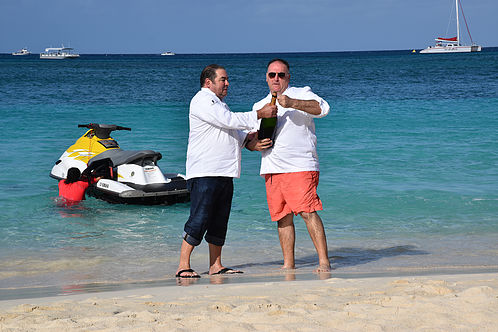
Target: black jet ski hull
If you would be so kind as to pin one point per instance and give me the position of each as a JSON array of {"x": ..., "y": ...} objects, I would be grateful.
[{"x": 140, "y": 197}]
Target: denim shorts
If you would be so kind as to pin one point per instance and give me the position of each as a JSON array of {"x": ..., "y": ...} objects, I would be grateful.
[{"x": 210, "y": 204}]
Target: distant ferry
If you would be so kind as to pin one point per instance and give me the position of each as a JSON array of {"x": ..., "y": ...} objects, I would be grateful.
[
  {"x": 168, "y": 53},
  {"x": 22, "y": 51},
  {"x": 59, "y": 53}
]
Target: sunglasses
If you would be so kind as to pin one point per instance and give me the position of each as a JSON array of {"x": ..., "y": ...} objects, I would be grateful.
[{"x": 280, "y": 75}]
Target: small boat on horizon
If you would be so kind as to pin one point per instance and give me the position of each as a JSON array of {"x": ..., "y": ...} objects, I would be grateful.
[
  {"x": 59, "y": 53},
  {"x": 22, "y": 51},
  {"x": 168, "y": 53},
  {"x": 452, "y": 45}
]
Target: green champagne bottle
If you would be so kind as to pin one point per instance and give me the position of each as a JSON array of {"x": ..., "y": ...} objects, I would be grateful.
[{"x": 268, "y": 125}]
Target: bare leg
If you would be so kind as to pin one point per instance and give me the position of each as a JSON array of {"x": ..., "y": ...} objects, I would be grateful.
[
  {"x": 317, "y": 234},
  {"x": 287, "y": 236},
  {"x": 185, "y": 253},
  {"x": 214, "y": 258}
]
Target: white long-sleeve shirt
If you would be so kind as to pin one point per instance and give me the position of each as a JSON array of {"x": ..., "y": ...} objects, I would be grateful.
[
  {"x": 294, "y": 148},
  {"x": 215, "y": 136}
]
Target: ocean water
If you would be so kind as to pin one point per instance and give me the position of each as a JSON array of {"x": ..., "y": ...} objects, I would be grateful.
[{"x": 408, "y": 159}]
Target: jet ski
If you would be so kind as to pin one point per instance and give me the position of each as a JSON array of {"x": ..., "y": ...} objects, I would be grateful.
[{"x": 126, "y": 176}]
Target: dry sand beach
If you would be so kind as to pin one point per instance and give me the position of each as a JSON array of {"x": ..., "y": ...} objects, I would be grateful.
[{"x": 457, "y": 302}]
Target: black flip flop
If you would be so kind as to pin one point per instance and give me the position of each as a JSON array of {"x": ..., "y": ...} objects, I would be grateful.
[
  {"x": 179, "y": 274},
  {"x": 227, "y": 270}
]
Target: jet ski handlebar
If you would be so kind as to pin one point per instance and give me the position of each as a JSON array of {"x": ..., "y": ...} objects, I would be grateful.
[
  {"x": 102, "y": 126},
  {"x": 102, "y": 130}
]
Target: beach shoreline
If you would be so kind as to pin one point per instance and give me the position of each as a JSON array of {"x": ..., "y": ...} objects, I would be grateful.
[
  {"x": 435, "y": 302},
  {"x": 272, "y": 274}
]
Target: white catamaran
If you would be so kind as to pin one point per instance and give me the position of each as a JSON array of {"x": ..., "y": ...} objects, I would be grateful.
[{"x": 452, "y": 45}]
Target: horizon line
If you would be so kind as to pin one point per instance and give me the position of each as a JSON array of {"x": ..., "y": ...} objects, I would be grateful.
[{"x": 234, "y": 53}]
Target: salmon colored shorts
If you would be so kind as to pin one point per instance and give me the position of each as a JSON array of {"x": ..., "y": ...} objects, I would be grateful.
[{"x": 292, "y": 193}]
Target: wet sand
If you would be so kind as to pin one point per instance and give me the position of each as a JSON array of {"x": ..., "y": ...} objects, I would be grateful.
[{"x": 456, "y": 302}]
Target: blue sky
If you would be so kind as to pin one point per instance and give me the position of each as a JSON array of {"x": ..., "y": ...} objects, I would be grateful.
[{"x": 237, "y": 26}]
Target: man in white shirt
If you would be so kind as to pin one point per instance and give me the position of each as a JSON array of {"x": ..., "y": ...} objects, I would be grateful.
[
  {"x": 290, "y": 166},
  {"x": 213, "y": 159}
]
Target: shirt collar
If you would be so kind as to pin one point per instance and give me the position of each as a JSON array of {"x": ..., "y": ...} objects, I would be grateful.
[
  {"x": 287, "y": 89},
  {"x": 207, "y": 90}
]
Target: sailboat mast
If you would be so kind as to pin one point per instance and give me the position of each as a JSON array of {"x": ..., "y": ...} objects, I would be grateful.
[{"x": 458, "y": 23}]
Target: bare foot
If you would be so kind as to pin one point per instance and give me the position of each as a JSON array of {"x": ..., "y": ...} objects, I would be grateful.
[
  {"x": 225, "y": 270},
  {"x": 215, "y": 268},
  {"x": 322, "y": 269},
  {"x": 186, "y": 273}
]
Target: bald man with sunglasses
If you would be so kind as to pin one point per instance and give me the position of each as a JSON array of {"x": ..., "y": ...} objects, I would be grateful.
[{"x": 290, "y": 166}]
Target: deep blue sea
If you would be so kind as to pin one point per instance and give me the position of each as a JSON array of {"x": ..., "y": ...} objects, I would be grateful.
[{"x": 408, "y": 159}]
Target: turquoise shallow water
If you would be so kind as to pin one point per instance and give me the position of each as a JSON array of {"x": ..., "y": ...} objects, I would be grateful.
[{"x": 408, "y": 157}]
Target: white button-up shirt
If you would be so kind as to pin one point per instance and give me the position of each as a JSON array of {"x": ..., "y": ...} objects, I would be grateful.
[
  {"x": 215, "y": 136},
  {"x": 294, "y": 148}
]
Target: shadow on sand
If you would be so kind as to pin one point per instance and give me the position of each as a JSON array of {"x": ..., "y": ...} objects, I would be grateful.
[{"x": 345, "y": 257}]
